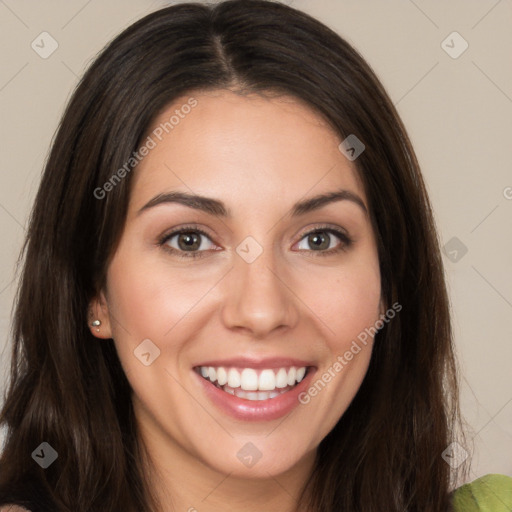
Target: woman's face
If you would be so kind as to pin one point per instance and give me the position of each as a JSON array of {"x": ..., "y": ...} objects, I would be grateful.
[{"x": 259, "y": 289}]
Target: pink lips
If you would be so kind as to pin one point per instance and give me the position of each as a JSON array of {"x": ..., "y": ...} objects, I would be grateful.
[{"x": 256, "y": 410}]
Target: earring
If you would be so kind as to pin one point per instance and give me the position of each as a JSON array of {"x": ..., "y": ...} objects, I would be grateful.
[{"x": 96, "y": 323}]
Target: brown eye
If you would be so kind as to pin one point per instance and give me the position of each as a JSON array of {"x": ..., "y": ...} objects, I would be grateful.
[
  {"x": 323, "y": 241},
  {"x": 319, "y": 240},
  {"x": 187, "y": 242}
]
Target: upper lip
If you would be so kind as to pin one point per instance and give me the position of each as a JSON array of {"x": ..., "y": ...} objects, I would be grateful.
[{"x": 248, "y": 362}]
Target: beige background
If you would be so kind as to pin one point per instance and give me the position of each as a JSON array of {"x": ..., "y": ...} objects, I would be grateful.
[{"x": 458, "y": 112}]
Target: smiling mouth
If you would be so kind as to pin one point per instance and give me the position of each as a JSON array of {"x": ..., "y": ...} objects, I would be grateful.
[{"x": 254, "y": 384}]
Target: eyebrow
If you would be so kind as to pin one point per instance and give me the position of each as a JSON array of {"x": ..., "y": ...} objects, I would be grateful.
[{"x": 218, "y": 208}]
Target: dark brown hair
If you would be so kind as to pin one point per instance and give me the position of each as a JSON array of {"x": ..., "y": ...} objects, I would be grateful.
[{"x": 68, "y": 389}]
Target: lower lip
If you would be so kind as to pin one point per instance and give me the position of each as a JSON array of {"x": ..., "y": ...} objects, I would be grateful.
[{"x": 256, "y": 410}]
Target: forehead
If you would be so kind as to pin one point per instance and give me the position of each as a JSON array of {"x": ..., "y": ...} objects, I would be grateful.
[{"x": 248, "y": 150}]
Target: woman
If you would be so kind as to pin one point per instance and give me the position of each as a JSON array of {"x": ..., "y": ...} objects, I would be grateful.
[{"x": 232, "y": 291}]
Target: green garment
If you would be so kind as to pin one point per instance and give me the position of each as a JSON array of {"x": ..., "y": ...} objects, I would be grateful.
[{"x": 490, "y": 493}]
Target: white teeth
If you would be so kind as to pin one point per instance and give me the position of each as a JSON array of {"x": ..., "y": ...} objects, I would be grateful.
[
  {"x": 300, "y": 374},
  {"x": 281, "y": 378},
  {"x": 240, "y": 394},
  {"x": 222, "y": 376},
  {"x": 250, "y": 379},
  {"x": 292, "y": 372},
  {"x": 253, "y": 395},
  {"x": 233, "y": 378},
  {"x": 267, "y": 380}
]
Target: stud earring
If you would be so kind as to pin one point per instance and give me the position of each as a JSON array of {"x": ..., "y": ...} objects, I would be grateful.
[{"x": 96, "y": 323}]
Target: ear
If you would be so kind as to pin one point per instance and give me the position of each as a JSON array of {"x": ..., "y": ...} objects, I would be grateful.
[{"x": 98, "y": 310}]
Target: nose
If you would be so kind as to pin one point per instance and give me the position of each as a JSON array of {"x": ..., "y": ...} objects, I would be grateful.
[{"x": 257, "y": 298}]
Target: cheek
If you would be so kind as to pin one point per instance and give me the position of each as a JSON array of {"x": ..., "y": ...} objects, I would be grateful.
[
  {"x": 149, "y": 300},
  {"x": 348, "y": 306},
  {"x": 348, "y": 302}
]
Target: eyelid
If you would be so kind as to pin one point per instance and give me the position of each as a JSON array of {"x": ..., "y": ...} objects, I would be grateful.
[
  {"x": 323, "y": 227},
  {"x": 183, "y": 229}
]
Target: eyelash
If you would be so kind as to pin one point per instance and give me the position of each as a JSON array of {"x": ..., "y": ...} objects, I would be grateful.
[{"x": 162, "y": 242}]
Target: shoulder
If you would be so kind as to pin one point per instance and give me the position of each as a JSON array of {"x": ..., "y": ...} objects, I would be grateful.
[
  {"x": 489, "y": 493},
  {"x": 12, "y": 508}
]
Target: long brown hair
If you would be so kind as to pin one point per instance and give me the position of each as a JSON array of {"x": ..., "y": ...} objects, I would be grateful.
[{"x": 69, "y": 390}]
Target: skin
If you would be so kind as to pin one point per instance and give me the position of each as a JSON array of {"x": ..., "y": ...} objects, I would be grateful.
[{"x": 247, "y": 151}]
